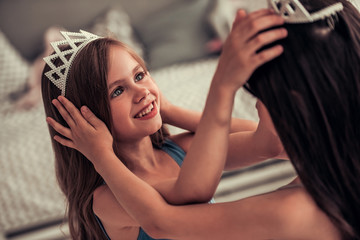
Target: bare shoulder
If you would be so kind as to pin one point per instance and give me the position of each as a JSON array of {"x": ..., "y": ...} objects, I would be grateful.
[
  {"x": 183, "y": 140},
  {"x": 303, "y": 217},
  {"x": 289, "y": 213},
  {"x": 109, "y": 210}
]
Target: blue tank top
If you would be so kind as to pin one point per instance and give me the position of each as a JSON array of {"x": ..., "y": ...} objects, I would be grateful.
[{"x": 176, "y": 152}]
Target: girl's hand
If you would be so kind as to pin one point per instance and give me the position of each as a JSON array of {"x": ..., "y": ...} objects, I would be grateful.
[
  {"x": 87, "y": 133},
  {"x": 240, "y": 56},
  {"x": 165, "y": 108}
]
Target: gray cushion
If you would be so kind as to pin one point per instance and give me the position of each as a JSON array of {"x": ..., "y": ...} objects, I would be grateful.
[
  {"x": 24, "y": 22},
  {"x": 13, "y": 69},
  {"x": 171, "y": 30},
  {"x": 176, "y": 32},
  {"x": 116, "y": 23}
]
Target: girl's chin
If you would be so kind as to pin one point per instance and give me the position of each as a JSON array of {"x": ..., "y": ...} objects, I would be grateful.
[
  {"x": 157, "y": 129},
  {"x": 150, "y": 130}
]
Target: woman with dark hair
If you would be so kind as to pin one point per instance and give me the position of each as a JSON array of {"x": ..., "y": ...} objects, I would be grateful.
[{"x": 312, "y": 94}]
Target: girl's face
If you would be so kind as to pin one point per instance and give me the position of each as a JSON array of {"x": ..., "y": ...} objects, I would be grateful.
[{"x": 134, "y": 97}]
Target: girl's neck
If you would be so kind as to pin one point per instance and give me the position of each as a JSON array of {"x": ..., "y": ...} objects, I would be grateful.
[{"x": 137, "y": 155}]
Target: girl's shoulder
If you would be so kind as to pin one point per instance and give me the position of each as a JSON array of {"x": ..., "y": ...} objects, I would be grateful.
[
  {"x": 184, "y": 140},
  {"x": 109, "y": 210}
]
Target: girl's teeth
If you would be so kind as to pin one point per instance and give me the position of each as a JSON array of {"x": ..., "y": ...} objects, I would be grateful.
[{"x": 146, "y": 111}]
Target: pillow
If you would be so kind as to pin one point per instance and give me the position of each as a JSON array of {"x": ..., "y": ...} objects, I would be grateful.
[
  {"x": 116, "y": 23},
  {"x": 177, "y": 32},
  {"x": 13, "y": 69},
  {"x": 356, "y": 3},
  {"x": 24, "y": 22},
  {"x": 249, "y": 6},
  {"x": 114, "y": 20}
]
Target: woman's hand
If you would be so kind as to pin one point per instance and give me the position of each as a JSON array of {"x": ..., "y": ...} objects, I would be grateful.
[
  {"x": 269, "y": 143},
  {"x": 240, "y": 56},
  {"x": 87, "y": 133}
]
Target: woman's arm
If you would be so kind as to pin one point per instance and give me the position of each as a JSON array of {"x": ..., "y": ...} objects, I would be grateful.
[
  {"x": 247, "y": 147},
  {"x": 189, "y": 119},
  {"x": 262, "y": 144},
  {"x": 285, "y": 214}
]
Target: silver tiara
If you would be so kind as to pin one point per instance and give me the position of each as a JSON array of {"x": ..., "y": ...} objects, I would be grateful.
[
  {"x": 294, "y": 12},
  {"x": 75, "y": 41}
]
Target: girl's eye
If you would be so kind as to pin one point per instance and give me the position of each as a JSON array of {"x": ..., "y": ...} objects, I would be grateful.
[
  {"x": 118, "y": 91},
  {"x": 140, "y": 76}
]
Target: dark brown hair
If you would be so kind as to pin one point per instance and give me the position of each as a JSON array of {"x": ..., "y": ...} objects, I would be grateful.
[
  {"x": 87, "y": 85},
  {"x": 312, "y": 92}
]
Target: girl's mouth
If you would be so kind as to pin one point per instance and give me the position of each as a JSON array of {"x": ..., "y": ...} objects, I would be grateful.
[{"x": 148, "y": 112}]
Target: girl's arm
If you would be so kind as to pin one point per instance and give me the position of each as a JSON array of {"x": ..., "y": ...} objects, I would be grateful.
[{"x": 205, "y": 160}]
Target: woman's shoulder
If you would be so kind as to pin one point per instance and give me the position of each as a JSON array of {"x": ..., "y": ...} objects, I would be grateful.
[{"x": 302, "y": 217}]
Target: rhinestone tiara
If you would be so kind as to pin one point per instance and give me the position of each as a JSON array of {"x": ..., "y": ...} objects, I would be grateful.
[
  {"x": 75, "y": 41},
  {"x": 294, "y": 12}
]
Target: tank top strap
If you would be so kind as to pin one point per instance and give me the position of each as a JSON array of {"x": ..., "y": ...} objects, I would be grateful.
[
  {"x": 174, "y": 150},
  {"x": 102, "y": 227},
  {"x": 143, "y": 236}
]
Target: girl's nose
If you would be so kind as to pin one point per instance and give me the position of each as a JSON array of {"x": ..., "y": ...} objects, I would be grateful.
[{"x": 141, "y": 94}]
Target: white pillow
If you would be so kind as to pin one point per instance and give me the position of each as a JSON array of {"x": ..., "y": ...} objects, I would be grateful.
[
  {"x": 13, "y": 69},
  {"x": 116, "y": 23},
  {"x": 356, "y": 3}
]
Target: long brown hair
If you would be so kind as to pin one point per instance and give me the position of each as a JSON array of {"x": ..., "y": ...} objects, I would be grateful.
[
  {"x": 312, "y": 92},
  {"x": 87, "y": 85}
]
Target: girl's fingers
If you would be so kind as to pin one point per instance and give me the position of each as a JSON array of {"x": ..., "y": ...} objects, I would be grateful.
[
  {"x": 267, "y": 55},
  {"x": 240, "y": 15},
  {"x": 260, "y": 13},
  {"x": 266, "y": 38},
  {"x": 64, "y": 131},
  {"x": 64, "y": 142},
  {"x": 64, "y": 113},
  {"x": 264, "y": 23},
  {"x": 91, "y": 118}
]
